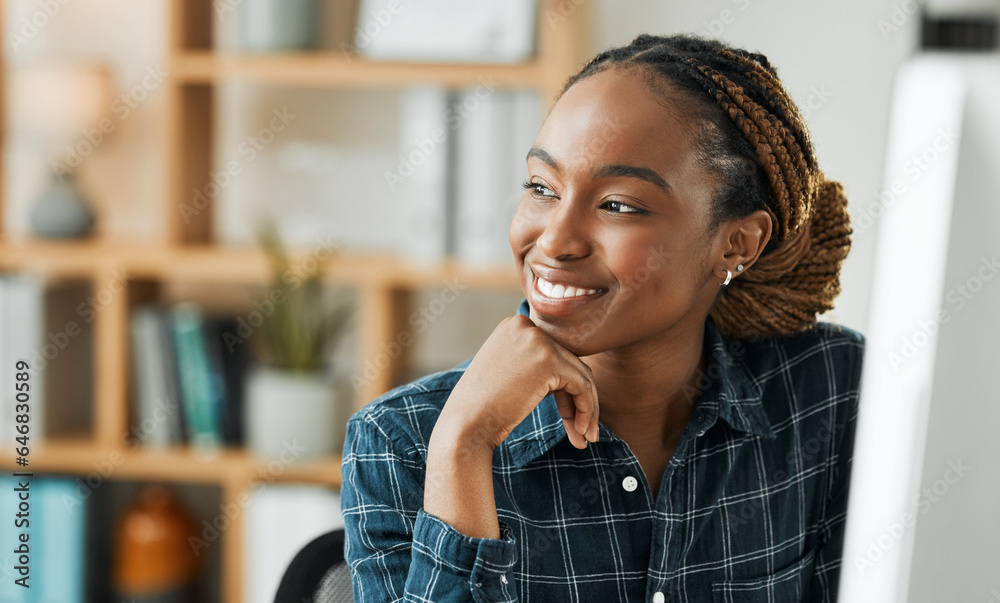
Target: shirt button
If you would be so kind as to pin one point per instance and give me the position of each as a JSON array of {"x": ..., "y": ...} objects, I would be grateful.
[
  {"x": 658, "y": 597},
  {"x": 630, "y": 484}
]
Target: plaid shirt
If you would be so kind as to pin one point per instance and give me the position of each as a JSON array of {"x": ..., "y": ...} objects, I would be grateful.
[{"x": 751, "y": 507}]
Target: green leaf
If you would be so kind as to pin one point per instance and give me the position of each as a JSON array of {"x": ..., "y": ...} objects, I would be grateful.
[{"x": 302, "y": 328}]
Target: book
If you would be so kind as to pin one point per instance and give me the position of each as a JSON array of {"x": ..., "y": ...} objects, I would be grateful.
[
  {"x": 491, "y": 142},
  {"x": 178, "y": 418},
  {"x": 481, "y": 173},
  {"x": 60, "y": 554},
  {"x": 23, "y": 339},
  {"x": 420, "y": 180},
  {"x": 201, "y": 389},
  {"x": 527, "y": 121},
  {"x": 158, "y": 403},
  {"x": 6, "y": 375},
  {"x": 152, "y": 403},
  {"x": 280, "y": 521},
  {"x": 488, "y": 31},
  {"x": 230, "y": 362},
  {"x": 99, "y": 528},
  {"x": 42, "y": 325}
]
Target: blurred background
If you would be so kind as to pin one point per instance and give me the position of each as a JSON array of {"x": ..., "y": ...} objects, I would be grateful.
[{"x": 228, "y": 224}]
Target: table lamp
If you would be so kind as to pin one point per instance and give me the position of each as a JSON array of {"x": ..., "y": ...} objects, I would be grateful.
[{"x": 62, "y": 103}]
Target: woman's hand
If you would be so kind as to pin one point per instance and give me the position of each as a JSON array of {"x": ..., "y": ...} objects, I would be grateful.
[
  {"x": 510, "y": 374},
  {"x": 516, "y": 367}
]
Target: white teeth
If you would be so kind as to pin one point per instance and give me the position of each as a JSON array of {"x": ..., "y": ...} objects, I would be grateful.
[
  {"x": 545, "y": 286},
  {"x": 561, "y": 291}
]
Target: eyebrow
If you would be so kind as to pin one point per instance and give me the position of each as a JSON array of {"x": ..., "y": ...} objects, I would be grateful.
[{"x": 608, "y": 171}]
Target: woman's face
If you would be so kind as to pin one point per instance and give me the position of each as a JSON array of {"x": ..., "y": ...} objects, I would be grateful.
[{"x": 620, "y": 204}]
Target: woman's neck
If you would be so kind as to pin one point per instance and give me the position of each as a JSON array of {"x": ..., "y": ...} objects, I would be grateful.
[{"x": 647, "y": 391}]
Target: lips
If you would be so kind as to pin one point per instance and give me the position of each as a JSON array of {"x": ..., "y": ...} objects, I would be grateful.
[
  {"x": 559, "y": 291},
  {"x": 548, "y": 297},
  {"x": 565, "y": 279}
]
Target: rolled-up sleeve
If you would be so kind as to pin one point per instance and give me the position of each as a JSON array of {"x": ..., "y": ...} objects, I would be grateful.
[{"x": 398, "y": 552}]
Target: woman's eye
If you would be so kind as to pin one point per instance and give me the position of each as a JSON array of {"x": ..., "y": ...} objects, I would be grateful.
[
  {"x": 616, "y": 207},
  {"x": 538, "y": 189},
  {"x": 620, "y": 208}
]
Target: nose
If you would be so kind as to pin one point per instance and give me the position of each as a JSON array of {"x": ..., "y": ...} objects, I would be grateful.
[{"x": 565, "y": 235}]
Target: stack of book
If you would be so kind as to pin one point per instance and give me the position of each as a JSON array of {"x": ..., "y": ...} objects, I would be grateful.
[
  {"x": 47, "y": 565},
  {"x": 462, "y": 161},
  {"x": 488, "y": 31},
  {"x": 49, "y": 326},
  {"x": 188, "y": 374}
]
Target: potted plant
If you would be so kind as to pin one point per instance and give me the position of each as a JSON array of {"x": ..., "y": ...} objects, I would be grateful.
[{"x": 291, "y": 402}]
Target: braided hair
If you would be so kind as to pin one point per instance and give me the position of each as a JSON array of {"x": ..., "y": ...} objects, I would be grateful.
[{"x": 752, "y": 135}]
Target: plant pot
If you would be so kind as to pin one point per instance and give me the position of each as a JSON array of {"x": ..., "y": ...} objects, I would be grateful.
[
  {"x": 290, "y": 415},
  {"x": 277, "y": 25}
]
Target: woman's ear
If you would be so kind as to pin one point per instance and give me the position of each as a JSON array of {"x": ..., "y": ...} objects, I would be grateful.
[{"x": 745, "y": 240}]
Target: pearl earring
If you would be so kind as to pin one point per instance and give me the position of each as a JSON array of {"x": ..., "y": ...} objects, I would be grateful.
[{"x": 729, "y": 277}]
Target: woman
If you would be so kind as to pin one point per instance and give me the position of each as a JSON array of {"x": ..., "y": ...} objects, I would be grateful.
[{"x": 664, "y": 418}]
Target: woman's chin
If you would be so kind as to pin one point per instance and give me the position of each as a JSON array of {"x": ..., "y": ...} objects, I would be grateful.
[{"x": 578, "y": 340}]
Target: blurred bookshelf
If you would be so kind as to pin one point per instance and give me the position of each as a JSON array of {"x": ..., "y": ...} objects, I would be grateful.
[
  {"x": 181, "y": 465},
  {"x": 186, "y": 252}
]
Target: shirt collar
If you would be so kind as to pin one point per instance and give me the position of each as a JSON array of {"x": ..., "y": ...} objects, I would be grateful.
[{"x": 726, "y": 391}]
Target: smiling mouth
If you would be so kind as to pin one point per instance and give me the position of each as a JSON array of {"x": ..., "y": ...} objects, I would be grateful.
[{"x": 558, "y": 292}]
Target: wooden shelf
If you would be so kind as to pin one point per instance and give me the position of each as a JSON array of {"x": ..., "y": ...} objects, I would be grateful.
[
  {"x": 184, "y": 254},
  {"x": 342, "y": 70},
  {"x": 56, "y": 258},
  {"x": 225, "y": 265},
  {"x": 173, "y": 465}
]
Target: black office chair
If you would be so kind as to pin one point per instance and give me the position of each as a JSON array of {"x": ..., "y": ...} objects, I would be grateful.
[{"x": 318, "y": 573}]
